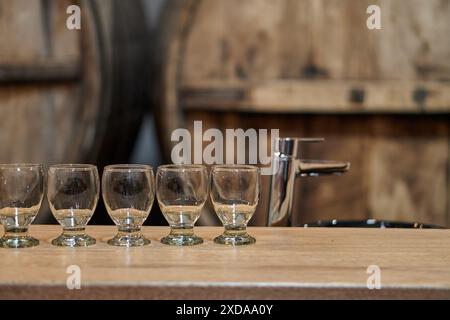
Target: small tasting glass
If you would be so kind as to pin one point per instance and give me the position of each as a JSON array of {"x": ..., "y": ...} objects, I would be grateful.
[
  {"x": 235, "y": 195},
  {"x": 72, "y": 193},
  {"x": 128, "y": 193},
  {"x": 21, "y": 194},
  {"x": 182, "y": 191}
]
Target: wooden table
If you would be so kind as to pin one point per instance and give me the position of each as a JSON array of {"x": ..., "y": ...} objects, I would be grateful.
[{"x": 285, "y": 263}]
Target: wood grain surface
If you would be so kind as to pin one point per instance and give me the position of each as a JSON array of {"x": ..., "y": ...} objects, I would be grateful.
[
  {"x": 69, "y": 96},
  {"x": 285, "y": 263},
  {"x": 312, "y": 68}
]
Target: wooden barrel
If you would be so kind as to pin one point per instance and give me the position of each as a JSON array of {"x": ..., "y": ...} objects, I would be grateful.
[
  {"x": 71, "y": 95},
  {"x": 381, "y": 98}
]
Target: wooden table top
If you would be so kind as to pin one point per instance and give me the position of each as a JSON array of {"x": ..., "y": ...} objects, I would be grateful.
[{"x": 285, "y": 263}]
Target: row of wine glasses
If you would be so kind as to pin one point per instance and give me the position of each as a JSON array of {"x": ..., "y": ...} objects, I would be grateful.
[{"x": 128, "y": 193}]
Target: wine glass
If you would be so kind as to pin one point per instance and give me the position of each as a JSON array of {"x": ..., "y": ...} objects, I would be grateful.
[
  {"x": 235, "y": 194},
  {"x": 72, "y": 193},
  {"x": 21, "y": 194},
  {"x": 128, "y": 193},
  {"x": 182, "y": 191}
]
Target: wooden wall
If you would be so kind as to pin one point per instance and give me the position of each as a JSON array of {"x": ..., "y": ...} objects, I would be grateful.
[
  {"x": 381, "y": 98},
  {"x": 398, "y": 164}
]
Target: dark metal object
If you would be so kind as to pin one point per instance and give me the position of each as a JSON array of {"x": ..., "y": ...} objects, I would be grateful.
[
  {"x": 369, "y": 223},
  {"x": 44, "y": 72}
]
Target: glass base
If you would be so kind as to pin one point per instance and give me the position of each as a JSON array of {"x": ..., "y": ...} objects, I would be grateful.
[
  {"x": 74, "y": 240},
  {"x": 182, "y": 240},
  {"x": 8, "y": 241},
  {"x": 128, "y": 239},
  {"x": 235, "y": 239}
]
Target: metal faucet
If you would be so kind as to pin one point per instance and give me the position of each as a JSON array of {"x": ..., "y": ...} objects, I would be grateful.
[{"x": 287, "y": 166}]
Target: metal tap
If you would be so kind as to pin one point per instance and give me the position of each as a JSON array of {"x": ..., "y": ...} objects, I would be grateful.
[{"x": 287, "y": 165}]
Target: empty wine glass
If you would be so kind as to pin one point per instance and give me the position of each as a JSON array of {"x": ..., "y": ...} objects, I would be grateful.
[
  {"x": 21, "y": 193},
  {"x": 128, "y": 193},
  {"x": 235, "y": 195},
  {"x": 182, "y": 191},
  {"x": 73, "y": 192}
]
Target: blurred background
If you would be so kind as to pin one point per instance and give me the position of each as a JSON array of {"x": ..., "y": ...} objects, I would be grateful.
[{"x": 113, "y": 92}]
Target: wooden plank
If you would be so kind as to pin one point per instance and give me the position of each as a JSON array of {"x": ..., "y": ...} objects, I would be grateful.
[
  {"x": 285, "y": 263},
  {"x": 412, "y": 43},
  {"x": 407, "y": 165},
  {"x": 300, "y": 57},
  {"x": 40, "y": 48},
  {"x": 319, "y": 96},
  {"x": 284, "y": 39},
  {"x": 37, "y": 122},
  {"x": 317, "y": 39},
  {"x": 24, "y": 44},
  {"x": 33, "y": 32}
]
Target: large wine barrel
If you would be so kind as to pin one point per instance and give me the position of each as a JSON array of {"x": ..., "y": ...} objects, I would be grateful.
[
  {"x": 71, "y": 96},
  {"x": 381, "y": 98}
]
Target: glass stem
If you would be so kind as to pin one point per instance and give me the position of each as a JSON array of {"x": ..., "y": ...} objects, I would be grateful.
[
  {"x": 232, "y": 230},
  {"x": 16, "y": 232},
  {"x": 73, "y": 231},
  {"x": 182, "y": 230},
  {"x": 130, "y": 232}
]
